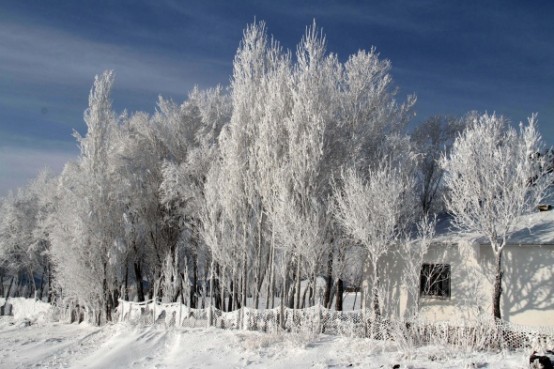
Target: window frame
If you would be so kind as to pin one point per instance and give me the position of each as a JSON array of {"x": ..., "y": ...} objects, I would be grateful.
[{"x": 435, "y": 281}]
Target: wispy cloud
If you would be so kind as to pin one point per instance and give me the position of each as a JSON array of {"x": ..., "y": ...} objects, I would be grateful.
[
  {"x": 45, "y": 75},
  {"x": 456, "y": 56},
  {"x": 19, "y": 166},
  {"x": 49, "y": 56}
]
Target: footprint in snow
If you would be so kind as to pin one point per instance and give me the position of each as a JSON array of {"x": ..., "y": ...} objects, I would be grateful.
[{"x": 52, "y": 340}]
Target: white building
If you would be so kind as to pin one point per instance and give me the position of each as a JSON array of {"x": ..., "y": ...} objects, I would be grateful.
[{"x": 460, "y": 271}]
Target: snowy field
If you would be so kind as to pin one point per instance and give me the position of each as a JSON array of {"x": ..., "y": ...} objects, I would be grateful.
[{"x": 57, "y": 345}]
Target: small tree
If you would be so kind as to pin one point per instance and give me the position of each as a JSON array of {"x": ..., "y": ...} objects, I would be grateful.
[
  {"x": 85, "y": 236},
  {"x": 431, "y": 139},
  {"x": 493, "y": 177},
  {"x": 413, "y": 254},
  {"x": 375, "y": 213}
]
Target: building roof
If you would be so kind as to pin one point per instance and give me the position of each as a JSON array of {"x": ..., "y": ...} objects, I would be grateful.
[{"x": 532, "y": 229}]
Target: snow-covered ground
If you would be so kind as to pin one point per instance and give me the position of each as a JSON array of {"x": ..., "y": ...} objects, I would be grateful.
[
  {"x": 28, "y": 340},
  {"x": 122, "y": 345}
]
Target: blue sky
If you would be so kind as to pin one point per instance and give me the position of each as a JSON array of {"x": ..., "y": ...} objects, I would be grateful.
[{"x": 456, "y": 56}]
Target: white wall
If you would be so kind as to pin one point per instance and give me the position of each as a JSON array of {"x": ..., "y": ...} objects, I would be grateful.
[
  {"x": 528, "y": 284},
  {"x": 528, "y": 288}
]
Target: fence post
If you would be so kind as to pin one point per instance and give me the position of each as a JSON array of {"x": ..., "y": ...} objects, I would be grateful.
[
  {"x": 179, "y": 315},
  {"x": 122, "y": 304},
  {"x": 319, "y": 326},
  {"x": 244, "y": 321}
]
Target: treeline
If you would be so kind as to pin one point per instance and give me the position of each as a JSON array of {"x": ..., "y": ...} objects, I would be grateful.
[{"x": 302, "y": 168}]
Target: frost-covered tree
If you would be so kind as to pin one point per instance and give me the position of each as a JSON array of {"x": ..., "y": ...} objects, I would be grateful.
[
  {"x": 215, "y": 234},
  {"x": 372, "y": 122},
  {"x": 18, "y": 255},
  {"x": 374, "y": 212},
  {"x": 493, "y": 177},
  {"x": 75, "y": 260},
  {"x": 431, "y": 139},
  {"x": 24, "y": 235},
  {"x": 314, "y": 104},
  {"x": 43, "y": 190},
  {"x": 243, "y": 148},
  {"x": 294, "y": 124},
  {"x": 371, "y": 126},
  {"x": 184, "y": 172},
  {"x": 269, "y": 149},
  {"x": 413, "y": 252},
  {"x": 234, "y": 188},
  {"x": 136, "y": 162},
  {"x": 86, "y": 238}
]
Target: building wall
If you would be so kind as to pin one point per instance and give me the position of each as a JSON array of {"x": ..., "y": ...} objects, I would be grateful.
[
  {"x": 528, "y": 288},
  {"x": 528, "y": 285},
  {"x": 466, "y": 284}
]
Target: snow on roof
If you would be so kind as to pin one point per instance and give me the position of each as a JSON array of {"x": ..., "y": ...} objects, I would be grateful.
[{"x": 532, "y": 229}]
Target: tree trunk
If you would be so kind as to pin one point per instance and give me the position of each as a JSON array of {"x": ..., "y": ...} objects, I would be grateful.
[
  {"x": 298, "y": 281},
  {"x": 181, "y": 287},
  {"x": 138, "y": 280},
  {"x": 244, "y": 266},
  {"x": 107, "y": 295},
  {"x": 328, "y": 281},
  {"x": 204, "y": 287},
  {"x": 271, "y": 286},
  {"x": 303, "y": 305},
  {"x": 236, "y": 293},
  {"x": 245, "y": 279},
  {"x": 259, "y": 277},
  {"x": 2, "y": 309},
  {"x": 31, "y": 275},
  {"x": 313, "y": 287},
  {"x": 126, "y": 283},
  {"x": 272, "y": 302},
  {"x": 216, "y": 286},
  {"x": 50, "y": 289},
  {"x": 284, "y": 291},
  {"x": 269, "y": 272},
  {"x": 41, "y": 288},
  {"x": 18, "y": 287},
  {"x": 230, "y": 305},
  {"x": 375, "y": 291},
  {"x": 497, "y": 287},
  {"x": 222, "y": 282},
  {"x": 194, "y": 288},
  {"x": 365, "y": 296},
  {"x": 116, "y": 296},
  {"x": 340, "y": 293},
  {"x": 290, "y": 292}
]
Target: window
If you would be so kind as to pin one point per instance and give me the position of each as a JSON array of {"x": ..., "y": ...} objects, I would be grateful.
[{"x": 435, "y": 280}]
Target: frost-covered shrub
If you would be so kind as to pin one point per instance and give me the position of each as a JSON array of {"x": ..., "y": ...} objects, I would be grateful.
[
  {"x": 30, "y": 309},
  {"x": 303, "y": 325}
]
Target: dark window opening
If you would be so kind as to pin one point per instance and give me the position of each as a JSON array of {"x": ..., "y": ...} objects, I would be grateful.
[{"x": 435, "y": 280}]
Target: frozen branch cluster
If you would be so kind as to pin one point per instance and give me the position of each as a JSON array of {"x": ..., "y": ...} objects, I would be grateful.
[
  {"x": 495, "y": 175},
  {"x": 301, "y": 170}
]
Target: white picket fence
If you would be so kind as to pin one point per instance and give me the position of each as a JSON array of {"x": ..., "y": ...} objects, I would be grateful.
[{"x": 481, "y": 335}]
